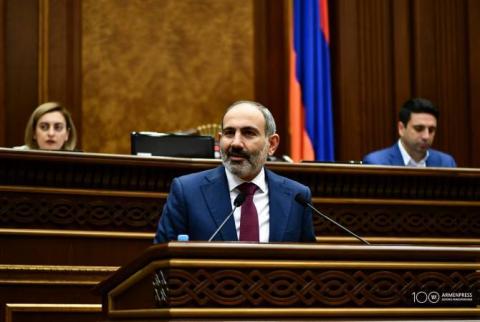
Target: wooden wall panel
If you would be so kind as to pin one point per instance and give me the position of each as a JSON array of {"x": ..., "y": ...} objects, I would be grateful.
[
  {"x": 41, "y": 61},
  {"x": 385, "y": 52},
  {"x": 162, "y": 65},
  {"x": 21, "y": 62},
  {"x": 271, "y": 62},
  {"x": 441, "y": 69},
  {"x": 362, "y": 75},
  {"x": 473, "y": 112},
  {"x": 61, "y": 74},
  {"x": 345, "y": 77},
  {"x": 402, "y": 53},
  {"x": 3, "y": 133}
]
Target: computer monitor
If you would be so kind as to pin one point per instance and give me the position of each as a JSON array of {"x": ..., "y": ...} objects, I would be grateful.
[{"x": 173, "y": 145}]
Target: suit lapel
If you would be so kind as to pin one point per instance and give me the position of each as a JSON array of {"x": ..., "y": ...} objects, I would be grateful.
[
  {"x": 432, "y": 160},
  {"x": 217, "y": 196},
  {"x": 396, "y": 156},
  {"x": 280, "y": 202}
]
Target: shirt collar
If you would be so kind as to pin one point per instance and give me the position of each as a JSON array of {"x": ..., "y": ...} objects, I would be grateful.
[
  {"x": 407, "y": 159},
  {"x": 234, "y": 181}
]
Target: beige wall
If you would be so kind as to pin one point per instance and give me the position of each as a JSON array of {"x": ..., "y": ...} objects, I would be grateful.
[{"x": 161, "y": 65}]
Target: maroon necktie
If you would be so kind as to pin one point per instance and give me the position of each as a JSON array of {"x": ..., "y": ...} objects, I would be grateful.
[{"x": 248, "y": 215}]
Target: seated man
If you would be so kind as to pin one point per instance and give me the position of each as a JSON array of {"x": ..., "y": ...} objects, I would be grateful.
[
  {"x": 417, "y": 127},
  {"x": 199, "y": 202}
]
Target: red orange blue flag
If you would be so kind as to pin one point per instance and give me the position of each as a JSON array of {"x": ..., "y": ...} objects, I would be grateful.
[{"x": 310, "y": 106}]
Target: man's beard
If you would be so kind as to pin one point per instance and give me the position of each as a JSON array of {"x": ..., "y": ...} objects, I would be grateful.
[{"x": 248, "y": 167}]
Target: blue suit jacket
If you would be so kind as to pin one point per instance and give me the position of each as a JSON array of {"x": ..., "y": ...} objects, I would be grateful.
[
  {"x": 199, "y": 202},
  {"x": 393, "y": 156}
]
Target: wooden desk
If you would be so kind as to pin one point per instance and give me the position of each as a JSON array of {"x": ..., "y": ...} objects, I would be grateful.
[
  {"x": 232, "y": 281},
  {"x": 125, "y": 194}
]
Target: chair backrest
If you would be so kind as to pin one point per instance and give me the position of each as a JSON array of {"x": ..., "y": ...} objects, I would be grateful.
[
  {"x": 164, "y": 144},
  {"x": 211, "y": 129}
]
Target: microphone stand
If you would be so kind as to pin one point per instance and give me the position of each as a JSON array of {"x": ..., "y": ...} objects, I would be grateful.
[
  {"x": 237, "y": 203},
  {"x": 302, "y": 201}
]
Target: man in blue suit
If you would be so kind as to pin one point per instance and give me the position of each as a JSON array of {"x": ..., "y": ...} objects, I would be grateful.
[
  {"x": 417, "y": 127},
  {"x": 198, "y": 203}
]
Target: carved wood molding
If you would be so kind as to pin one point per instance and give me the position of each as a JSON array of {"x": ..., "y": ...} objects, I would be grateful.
[
  {"x": 82, "y": 212},
  {"x": 308, "y": 288},
  {"x": 401, "y": 220},
  {"x": 240, "y": 280},
  {"x": 51, "y": 190}
]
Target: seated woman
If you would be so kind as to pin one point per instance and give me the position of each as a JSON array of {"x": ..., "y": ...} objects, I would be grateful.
[{"x": 50, "y": 127}]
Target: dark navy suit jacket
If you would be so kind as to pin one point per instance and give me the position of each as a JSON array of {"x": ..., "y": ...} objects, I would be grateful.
[
  {"x": 393, "y": 156},
  {"x": 198, "y": 203}
]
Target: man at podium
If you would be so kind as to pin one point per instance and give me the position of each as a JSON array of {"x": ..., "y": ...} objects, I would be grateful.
[{"x": 240, "y": 200}]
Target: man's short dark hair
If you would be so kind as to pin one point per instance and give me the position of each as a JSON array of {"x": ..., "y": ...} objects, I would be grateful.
[
  {"x": 417, "y": 105},
  {"x": 270, "y": 126}
]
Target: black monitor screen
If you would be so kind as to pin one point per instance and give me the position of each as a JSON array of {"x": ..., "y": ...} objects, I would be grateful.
[{"x": 172, "y": 145}]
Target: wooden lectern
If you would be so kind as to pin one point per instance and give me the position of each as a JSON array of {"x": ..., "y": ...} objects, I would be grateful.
[{"x": 198, "y": 281}]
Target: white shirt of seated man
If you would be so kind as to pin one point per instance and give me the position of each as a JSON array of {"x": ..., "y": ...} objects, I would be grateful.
[{"x": 407, "y": 159}]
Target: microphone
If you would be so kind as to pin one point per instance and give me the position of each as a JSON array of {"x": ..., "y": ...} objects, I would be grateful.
[
  {"x": 236, "y": 203},
  {"x": 301, "y": 200}
]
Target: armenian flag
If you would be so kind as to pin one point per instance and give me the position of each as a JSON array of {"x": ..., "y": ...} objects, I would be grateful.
[{"x": 310, "y": 105}]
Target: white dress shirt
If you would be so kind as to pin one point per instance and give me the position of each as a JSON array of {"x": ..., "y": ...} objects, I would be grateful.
[
  {"x": 260, "y": 199},
  {"x": 407, "y": 159}
]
